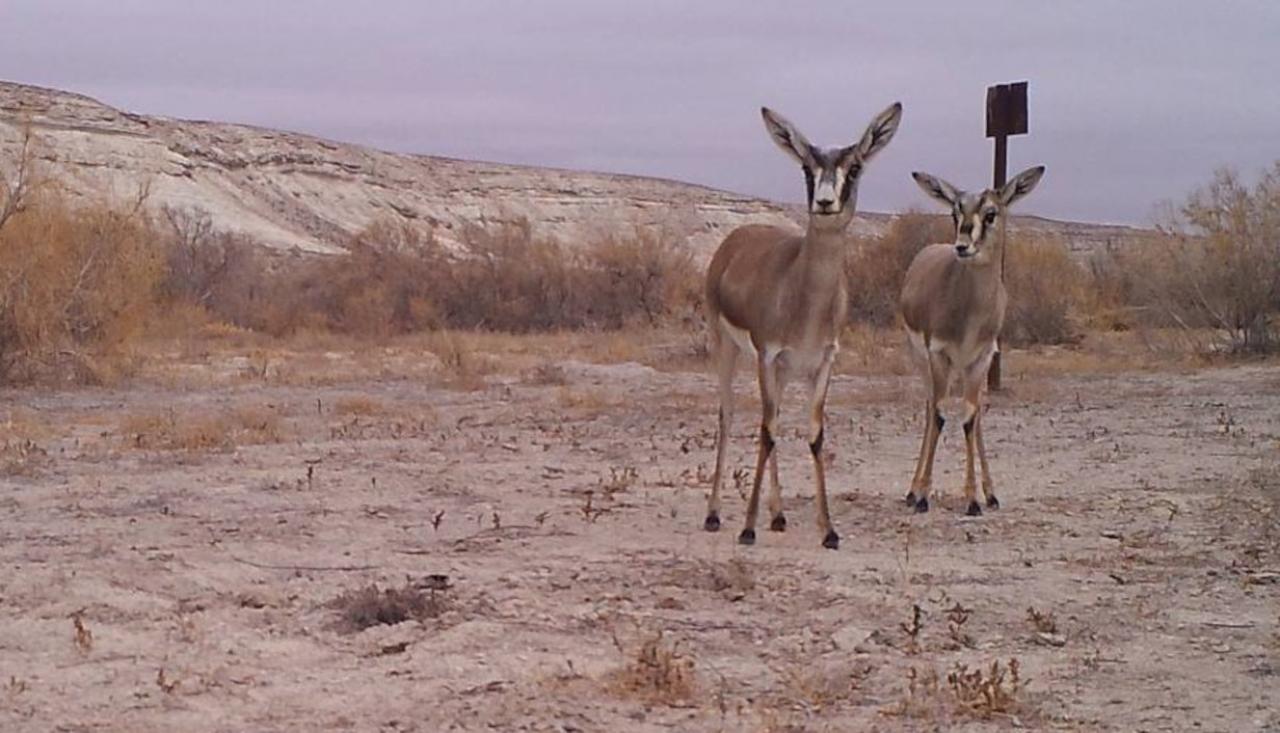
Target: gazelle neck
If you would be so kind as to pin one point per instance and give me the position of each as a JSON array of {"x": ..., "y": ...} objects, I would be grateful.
[{"x": 824, "y": 251}]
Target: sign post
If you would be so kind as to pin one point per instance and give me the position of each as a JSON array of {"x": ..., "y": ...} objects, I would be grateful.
[{"x": 1006, "y": 115}]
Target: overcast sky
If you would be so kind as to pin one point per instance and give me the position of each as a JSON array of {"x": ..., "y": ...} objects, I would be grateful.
[{"x": 1131, "y": 102}]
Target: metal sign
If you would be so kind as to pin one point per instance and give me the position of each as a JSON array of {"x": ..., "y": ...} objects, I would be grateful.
[
  {"x": 1006, "y": 115},
  {"x": 1007, "y": 109}
]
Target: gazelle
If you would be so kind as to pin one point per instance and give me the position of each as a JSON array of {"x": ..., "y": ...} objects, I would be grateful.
[
  {"x": 953, "y": 303},
  {"x": 780, "y": 297}
]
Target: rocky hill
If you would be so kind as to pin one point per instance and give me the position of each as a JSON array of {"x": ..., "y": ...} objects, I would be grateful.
[{"x": 289, "y": 190}]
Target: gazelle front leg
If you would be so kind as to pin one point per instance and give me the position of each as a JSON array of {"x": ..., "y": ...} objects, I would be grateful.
[
  {"x": 817, "y": 433},
  {"x": 936, "y": 381},
  {"x": 975, "y": 380},
  {"x": 778, "y": 520},
  {"x": 727, "y": 361},
  {"x": 770, "y": 392},
  {"x": 988, "y": 487}
]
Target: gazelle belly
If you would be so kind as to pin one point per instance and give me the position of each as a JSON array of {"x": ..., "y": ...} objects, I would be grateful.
[{"x": 739, "y": 336}]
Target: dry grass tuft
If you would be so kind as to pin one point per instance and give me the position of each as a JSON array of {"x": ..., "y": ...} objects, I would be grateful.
[
  {"x": 983, "y": 692},
  {"x": 1043, "y": 622},
  {"x": 656, "y": 672},
  {"x": 373, "y": 606},
  {"x": 21, "y": 452},
  {"x": 547, "y": 374},
  {"x": 986, "y": 692},
  {"x": 219, "y": 432},
  {"x": 359, "y": 405}
]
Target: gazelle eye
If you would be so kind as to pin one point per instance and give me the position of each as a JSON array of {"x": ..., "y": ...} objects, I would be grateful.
[{"x": 990, "y": 218}]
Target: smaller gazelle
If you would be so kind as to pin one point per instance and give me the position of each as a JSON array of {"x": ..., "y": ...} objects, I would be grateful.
[
  {"x": 953, "y": 303},
  {"x": 781, "y": 298}
]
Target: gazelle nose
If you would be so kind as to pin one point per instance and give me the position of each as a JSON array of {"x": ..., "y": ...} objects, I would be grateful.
[
  {"x": 825, "y": 205},
  {"x": 963, "y": 249}
]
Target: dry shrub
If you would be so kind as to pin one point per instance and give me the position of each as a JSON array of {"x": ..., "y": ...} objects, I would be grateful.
[
  {"x": 373, "y": 606},
  {"x": 508, "y": 279},
  {"x": 876, "y": 269},
  {"x": 656, "y": 672},
  {"x": 396, "y": 279},
  {"x": 218, "y": 272},
  {"x": 1215, "y": 270},
  {"x": 1048, "y": 292},
  {"x": 77, "y": 286}
]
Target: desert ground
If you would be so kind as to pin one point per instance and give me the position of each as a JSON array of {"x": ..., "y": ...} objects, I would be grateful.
[{"x": 225, "y": 545}]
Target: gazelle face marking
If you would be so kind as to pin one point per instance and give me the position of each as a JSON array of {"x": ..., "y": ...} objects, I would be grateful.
[
  {"x": 831, "y": 175},
  {"x": 832, "y": 183},
  {"x": 975, "y": 219},
  {"x": 977, "y": 216}
]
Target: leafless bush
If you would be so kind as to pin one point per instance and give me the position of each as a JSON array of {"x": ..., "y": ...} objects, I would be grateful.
[
  {"x": 214, "y": 270},
  {"x": 1217, "y": 267},
  {"x": 75, "y": 283}
]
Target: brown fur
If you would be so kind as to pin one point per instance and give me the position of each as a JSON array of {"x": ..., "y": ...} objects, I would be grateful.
[
  {"x": 768, "y": 282},
  {"x": 953, "y": 307},
  {"x": 783, "y": 296},
  {"x": 954, "y": 300}
]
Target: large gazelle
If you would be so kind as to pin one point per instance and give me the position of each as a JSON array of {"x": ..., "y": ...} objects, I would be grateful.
[
  {"x": 953, "y": 303},
  {"x": 780, "y": 296}
]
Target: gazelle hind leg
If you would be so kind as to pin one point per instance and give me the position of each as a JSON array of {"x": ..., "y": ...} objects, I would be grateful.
[
  {"x": 727, "y": 361},
  {"x": 817, "y": 434},
  {"x": 988, "y": 487},
  {"x": 770, "y": 391}
]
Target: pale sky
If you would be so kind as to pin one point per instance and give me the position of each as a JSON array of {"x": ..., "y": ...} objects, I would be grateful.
[{"x": 1131, "y": 101}]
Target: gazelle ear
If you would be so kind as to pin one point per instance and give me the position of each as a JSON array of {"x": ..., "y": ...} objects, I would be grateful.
[
  {"x": 1021, "y": 185},
  {"x": 937, "y": 188},
  {"x": 880, "y": 131},
  {"x": 787, "y": 137}
]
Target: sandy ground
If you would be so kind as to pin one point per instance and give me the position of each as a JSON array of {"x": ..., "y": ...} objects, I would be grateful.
[{"x": 160, "y": 577}]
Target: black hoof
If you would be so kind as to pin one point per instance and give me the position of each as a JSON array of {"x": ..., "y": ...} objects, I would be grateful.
[
  {"x": 974, "y": 509},
  {"x": 911, "y": 498},
  {"x": 779, "y": 524},
  {"x": 993, "y": 502},
  {"x": 922, "y": 506},
  {"x": 712, "y": 524},
  {"x": 747, "y": 537},
  {"x": 832, "y": 540}
]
